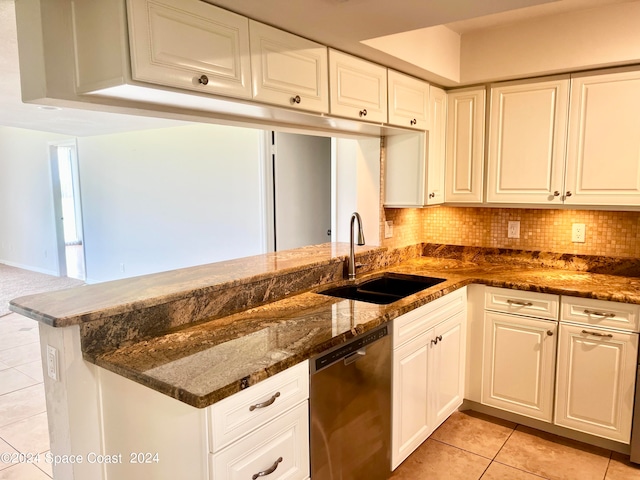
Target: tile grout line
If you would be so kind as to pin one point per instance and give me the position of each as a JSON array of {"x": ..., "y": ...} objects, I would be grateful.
[{"x": 608, "y": 465}]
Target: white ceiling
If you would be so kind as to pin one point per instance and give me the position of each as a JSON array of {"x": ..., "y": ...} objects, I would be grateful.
[{"x": 341, "y": 24}]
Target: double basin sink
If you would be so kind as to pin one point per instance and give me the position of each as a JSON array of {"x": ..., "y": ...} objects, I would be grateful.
[{"x": 388, "y": 288}]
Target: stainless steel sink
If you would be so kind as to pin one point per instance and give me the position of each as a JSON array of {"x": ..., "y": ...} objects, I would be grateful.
[{"x": 386, "y": 289}]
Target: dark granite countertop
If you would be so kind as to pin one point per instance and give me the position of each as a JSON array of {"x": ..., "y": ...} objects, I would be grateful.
[{"x": 203, "y": 362}]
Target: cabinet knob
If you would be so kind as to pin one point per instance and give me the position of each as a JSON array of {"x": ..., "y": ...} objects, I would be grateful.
[
  {"x": 432, "y": 195},
  {"x": 203, "y": 80},
  {"x": 295, "y": 99},
  {"x": 413, "y": 121},
  {"x": 556, "y": 193},
  {"x": 363, "y": 113},
  {"x": 569, "y": 193},
  {"x": 550, "y": 333}
]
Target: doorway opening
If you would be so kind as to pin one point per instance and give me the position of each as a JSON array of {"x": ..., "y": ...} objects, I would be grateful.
[
  {"x": 300, "y": 169},
  {"x": 68, "y": 210}
]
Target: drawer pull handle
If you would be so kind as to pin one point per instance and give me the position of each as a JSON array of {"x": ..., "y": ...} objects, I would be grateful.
[
  {"x": 437, "y": 339},
  {"x": 550, "y": 333},
  {"x": 268, "y": 471},
  {"x": 203, "y": 80},
  {"x": 265, "y": 404},
  {"x": 363, "y": 112},
  {"x": 600, "y": 314},
  {"x": 519, "y": 304},
  {"x": 296, "y": 99},
  {"x": 597, "y": 334}
]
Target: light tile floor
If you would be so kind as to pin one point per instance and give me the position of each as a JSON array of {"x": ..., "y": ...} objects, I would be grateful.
[
  {"x": 23, "y": 412},
  {"x": 473, "y": 446}
]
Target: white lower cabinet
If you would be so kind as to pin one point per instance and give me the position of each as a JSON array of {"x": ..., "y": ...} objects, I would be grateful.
[
  {"x": 278, "y": 450},
  {"x": 519, "y": 361},
  {"x": 264, "y": 430},
  {"x": 594, "y": 360},
  {"x": 596, "y": 381},
  {"x": 428, "y": 372}
]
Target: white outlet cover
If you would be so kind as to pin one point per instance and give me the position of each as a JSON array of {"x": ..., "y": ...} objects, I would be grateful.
[
  {"x": 388, "y": 229},
  {"x": 513, "y": 230},
  {"x": 578, "y": 233},
  {"x": 52, "y": 362}
]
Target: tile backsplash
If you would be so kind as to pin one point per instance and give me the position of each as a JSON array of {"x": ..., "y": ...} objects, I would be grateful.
[{"x": 607, "y": 233}]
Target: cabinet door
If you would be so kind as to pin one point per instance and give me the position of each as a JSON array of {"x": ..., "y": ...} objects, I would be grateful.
[
  {"x": 288, "y": 70},
  {"x": 596, "y": 381},
  {"x": 518, "y": 367},
  {"x": 448, "y": 367},
  {"x": 410, "y": 416},
  {"x": 358, "y": 89},
  {"x": 405, "y": 170},
  {"x": 465, "y": 146},
  {"x": 189, "y": 44},
  {"x": 437, "y": 142},
  {"x": 527, "y": 137},
  {"x": 603, "y": 156},
  {"x": 408, "y": 101}
]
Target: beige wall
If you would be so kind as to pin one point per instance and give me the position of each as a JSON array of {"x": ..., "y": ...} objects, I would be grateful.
[
  {"x": 607, "y": 233},
  {"x": 580, "y": 40}
]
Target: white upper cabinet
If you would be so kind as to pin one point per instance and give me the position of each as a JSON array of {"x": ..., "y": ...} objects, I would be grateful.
[
  {"x": 465, "y": 146},
  {"x": 406, "y": 170},
  {"x": 527, "y": 138},
  {"x": 603, "y": 156},
  {"x": 189, "y": 44},
  {"x": 288, "y": 70},
  {"x": 437, "y": 144},
  {"x": 408, "y": 101},
  {"x": 358, "y": 89}
]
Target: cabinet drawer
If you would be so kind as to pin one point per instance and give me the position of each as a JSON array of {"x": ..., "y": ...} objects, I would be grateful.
[
  {"x": 281, "y": 446},
  {"x": 408, "y": 326},
  {"x": 601, "y": 313},
  {"x": 238, "y": 414},
  {"x": 530, "y": 304}
]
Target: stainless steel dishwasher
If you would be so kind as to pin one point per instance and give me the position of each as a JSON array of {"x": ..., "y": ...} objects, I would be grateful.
[{"x": 350, "y": 404}]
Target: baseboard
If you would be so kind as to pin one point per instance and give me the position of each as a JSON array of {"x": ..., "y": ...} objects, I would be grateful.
[
  {"x": 547, "y": 427},
  {"x": 30, "y": 268}
]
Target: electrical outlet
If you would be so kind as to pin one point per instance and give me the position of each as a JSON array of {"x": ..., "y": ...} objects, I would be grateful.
[
  {"x": 578, "y": 233},
  {"x": 388, "y": 229},
  {"x": 52, "y": 362},
  {"x": 513, "y": 230}
]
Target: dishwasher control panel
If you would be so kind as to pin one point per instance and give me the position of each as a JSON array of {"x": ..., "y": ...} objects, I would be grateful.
[{"x": 350, "y": 347}]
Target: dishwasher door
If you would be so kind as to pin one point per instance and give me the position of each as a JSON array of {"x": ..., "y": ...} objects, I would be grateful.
[{"x": 350, "y": 406}]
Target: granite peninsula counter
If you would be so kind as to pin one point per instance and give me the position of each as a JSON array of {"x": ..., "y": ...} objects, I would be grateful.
[{"x": 204, "y": 333}]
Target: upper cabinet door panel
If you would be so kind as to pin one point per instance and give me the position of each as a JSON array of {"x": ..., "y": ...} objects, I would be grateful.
[
  {"x": 527, "y": 137},
  {"x": 465, "y": 146},
  {"x": 288, "y": 70},
  {"x": 437, "y": 143},
  {"x": 358, "y": 89},
  {"x": 603, "y": 158},
  {"x": 408, "y": 101},
  {"x": 190, "y": 44}
]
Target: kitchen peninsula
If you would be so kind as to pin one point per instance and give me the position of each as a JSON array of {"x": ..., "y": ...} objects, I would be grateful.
[{"x": 202, "y": 334}]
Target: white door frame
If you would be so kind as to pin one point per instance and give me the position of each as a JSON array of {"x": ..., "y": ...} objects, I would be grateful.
[
  {"x": 57, "y": 203},
  {"x": 267, "y": 180}
]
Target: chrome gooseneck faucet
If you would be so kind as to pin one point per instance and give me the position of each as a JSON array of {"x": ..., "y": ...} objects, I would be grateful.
[{"x": 352, "y": 258}]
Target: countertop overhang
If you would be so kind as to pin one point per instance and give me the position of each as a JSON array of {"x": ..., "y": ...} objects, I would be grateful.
[{"x": 203, "y": 363}]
